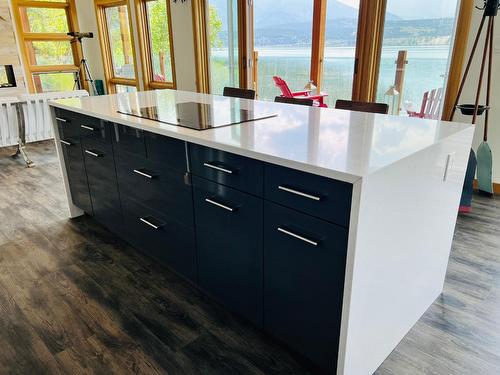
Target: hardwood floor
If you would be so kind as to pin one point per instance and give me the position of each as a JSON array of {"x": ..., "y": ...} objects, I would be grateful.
[{"x": 74, "y": 299}]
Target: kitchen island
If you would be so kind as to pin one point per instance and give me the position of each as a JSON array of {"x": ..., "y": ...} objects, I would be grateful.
[{"x": 330, "y": 230}]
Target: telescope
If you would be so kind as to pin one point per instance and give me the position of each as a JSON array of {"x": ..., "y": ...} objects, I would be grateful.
[{"x": 79, "y": 35}]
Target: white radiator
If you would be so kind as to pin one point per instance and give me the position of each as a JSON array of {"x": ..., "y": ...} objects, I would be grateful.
[
  {"x": 37, "y": 114},
  {"x": 9, "y": 134}
]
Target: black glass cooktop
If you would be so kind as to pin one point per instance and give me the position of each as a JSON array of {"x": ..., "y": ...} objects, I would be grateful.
[{"x": 199, "y": 116}]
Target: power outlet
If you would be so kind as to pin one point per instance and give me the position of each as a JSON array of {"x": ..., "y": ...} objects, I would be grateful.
[{"x": 450, "y": 158}]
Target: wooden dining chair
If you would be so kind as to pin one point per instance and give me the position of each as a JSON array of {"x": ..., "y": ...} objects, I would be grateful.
[
  {"x": 282, "y": 99},
  {"x": 362, "y": 106},
  {"x": 235, "y": 92}
]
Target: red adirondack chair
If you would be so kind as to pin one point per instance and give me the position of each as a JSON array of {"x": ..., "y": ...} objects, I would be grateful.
[
  {"x": 287, "y": 93},
  {"x": 431, "y": 105}
]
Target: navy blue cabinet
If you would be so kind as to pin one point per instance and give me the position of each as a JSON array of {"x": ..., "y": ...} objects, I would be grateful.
[
  {"x": 128, "y": 140},
  {"x": 161, "y": 237},
  {"x": 315, "y": 195},
  {"x": 227, "y": 169},
  {"x": 229, "y": 238},
  {"x": 304, "y": 267},
  {"x": 77, "y": 177},
  {"x": 268, "y": 242},
  {"x": 101, "y": 174}
]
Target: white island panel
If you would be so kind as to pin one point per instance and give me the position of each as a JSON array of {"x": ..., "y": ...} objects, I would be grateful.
[{"x": 400, "y": 241}]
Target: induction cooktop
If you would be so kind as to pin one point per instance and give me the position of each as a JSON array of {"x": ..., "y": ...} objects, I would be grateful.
[{"x": 199, "y": 116}]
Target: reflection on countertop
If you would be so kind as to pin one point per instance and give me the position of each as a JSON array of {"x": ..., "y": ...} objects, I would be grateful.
[{"x": 334, "y": 143}]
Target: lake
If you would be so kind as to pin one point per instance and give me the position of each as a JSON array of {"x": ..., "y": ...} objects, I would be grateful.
[{"x": 426, "y": 69}]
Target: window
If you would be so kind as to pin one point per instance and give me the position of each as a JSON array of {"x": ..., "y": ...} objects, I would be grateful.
[
  {"x": 117, "y": 44},
  {"x": 348, "y": 48},
  {"x": 223, "y": 44},
  {"x": 155, "y": 37},
  {"x": 50, "y": 57}
]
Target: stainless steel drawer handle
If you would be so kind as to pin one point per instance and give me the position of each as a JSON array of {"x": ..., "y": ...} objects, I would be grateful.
[
  {"x": 66, "y": 142},
  {"x": 147, "y": 222},
  {"x": 225, "y": 170},
  {"x": 227, "y": 208},
  {"x": 92, "y": 153},
  {"x": 144, "y": 174},
  {"x": 299, "y": 237},
  {"x": 87, "y": 127},
  {"x": 61, "y": 119},
  {"x": 302, "y": 194}
]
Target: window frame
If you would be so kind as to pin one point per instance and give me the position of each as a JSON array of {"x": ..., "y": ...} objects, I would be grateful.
[
  {"x": 25, "y": 37},
  {"x": 145, "y": 47},
  {"x": 370, "y": 31},
  {"x": 107, "y": 59}
]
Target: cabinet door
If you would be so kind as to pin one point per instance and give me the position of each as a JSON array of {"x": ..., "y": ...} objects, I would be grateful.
[
  {"x": 77, "y": 177},
  {"x": 103, "y": 186},
  {"x": 161, "y": 237},
  {"x": 229, "y": 239},
  {"x": 304, "y": 266}
]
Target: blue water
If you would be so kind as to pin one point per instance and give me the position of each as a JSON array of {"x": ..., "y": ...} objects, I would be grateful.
[{"x": 425, "y": 71}]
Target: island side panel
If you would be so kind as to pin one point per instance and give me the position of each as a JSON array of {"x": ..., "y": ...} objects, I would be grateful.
[
  {"x": 74, "y": 211},
  {"x": 398, "y": 260}
]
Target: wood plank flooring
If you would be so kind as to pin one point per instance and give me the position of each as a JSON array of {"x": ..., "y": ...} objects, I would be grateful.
[{"x": 76, "y": 300}]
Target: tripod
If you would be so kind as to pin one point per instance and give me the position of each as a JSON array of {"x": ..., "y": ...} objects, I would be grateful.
[
  {"x": 84, "y": 67},
  {"x": 490, "y": 11},
  {"x": 484, "y": 158}
]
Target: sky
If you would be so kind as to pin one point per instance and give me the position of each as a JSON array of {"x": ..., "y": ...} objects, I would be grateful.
[{"x": 416, "y": 9}]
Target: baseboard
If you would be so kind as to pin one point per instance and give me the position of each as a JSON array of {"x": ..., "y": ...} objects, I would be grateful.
[{"x": 496, "y": 187}]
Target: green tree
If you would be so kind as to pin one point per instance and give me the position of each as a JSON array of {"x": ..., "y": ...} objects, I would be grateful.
[{"x": 215, "y": 26}]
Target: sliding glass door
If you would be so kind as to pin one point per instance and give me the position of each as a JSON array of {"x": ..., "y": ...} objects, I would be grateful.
[
  {"x": 303, "y": 40},
  {"x": 416, "y": 48},
  {"x": 282, "y": 32},
  {"x": 223, "y": 43},
  {"x": 340, "y": 49}
]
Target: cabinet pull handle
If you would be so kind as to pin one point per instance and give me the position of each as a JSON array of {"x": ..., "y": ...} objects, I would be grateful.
[
  {"x": 208, "y": 165},
  {"x": 296, "y": 192},
  {"x": 227, "y": 208},
  {"x": 139, "y": 172},
  {"x": 61, "y": 119},
  {"x": 299, "y": 237},
  {"x": 147, "y": 222},
  {"x": 65, "y": 142},
  {"x": 93, "y": 153},
  {"x": 87, "y": 127}
]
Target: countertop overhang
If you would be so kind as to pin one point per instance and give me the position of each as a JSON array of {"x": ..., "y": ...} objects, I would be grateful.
[{"x": 338, "y": 144}]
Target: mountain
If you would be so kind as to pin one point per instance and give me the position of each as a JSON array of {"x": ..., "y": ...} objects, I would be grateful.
[
  {"x": 269, "y": 13},
  {"x": 278, "y": 23}
]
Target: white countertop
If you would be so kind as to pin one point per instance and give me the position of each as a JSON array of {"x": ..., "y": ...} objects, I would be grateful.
[{"x": 333, "y": 143}]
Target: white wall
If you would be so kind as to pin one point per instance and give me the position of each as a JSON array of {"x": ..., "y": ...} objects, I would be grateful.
[
  {"x": 470, "y": 92},
  {"x": 91, "y": 48},
  {"x": 182, "y": 33}
]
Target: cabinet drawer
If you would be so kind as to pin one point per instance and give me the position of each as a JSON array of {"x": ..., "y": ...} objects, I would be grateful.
[
  {"x": 304, "y": 267},
  {"x": 94, "y": 130},
  {"x": 169, "y": 151},
  {"x": 100, "y": 166},
  {"x": 168, "y": 241},
  {"x": 156, "y": 186},
  {"x": 77, "y": 176},
  {"x": 67, "y": 124},
  {"x": 228, "y": 169},
  {"x": 128, "y": 140},
  {"x": 229, "y": 238},
  {"x": 315, "y": 195}
]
